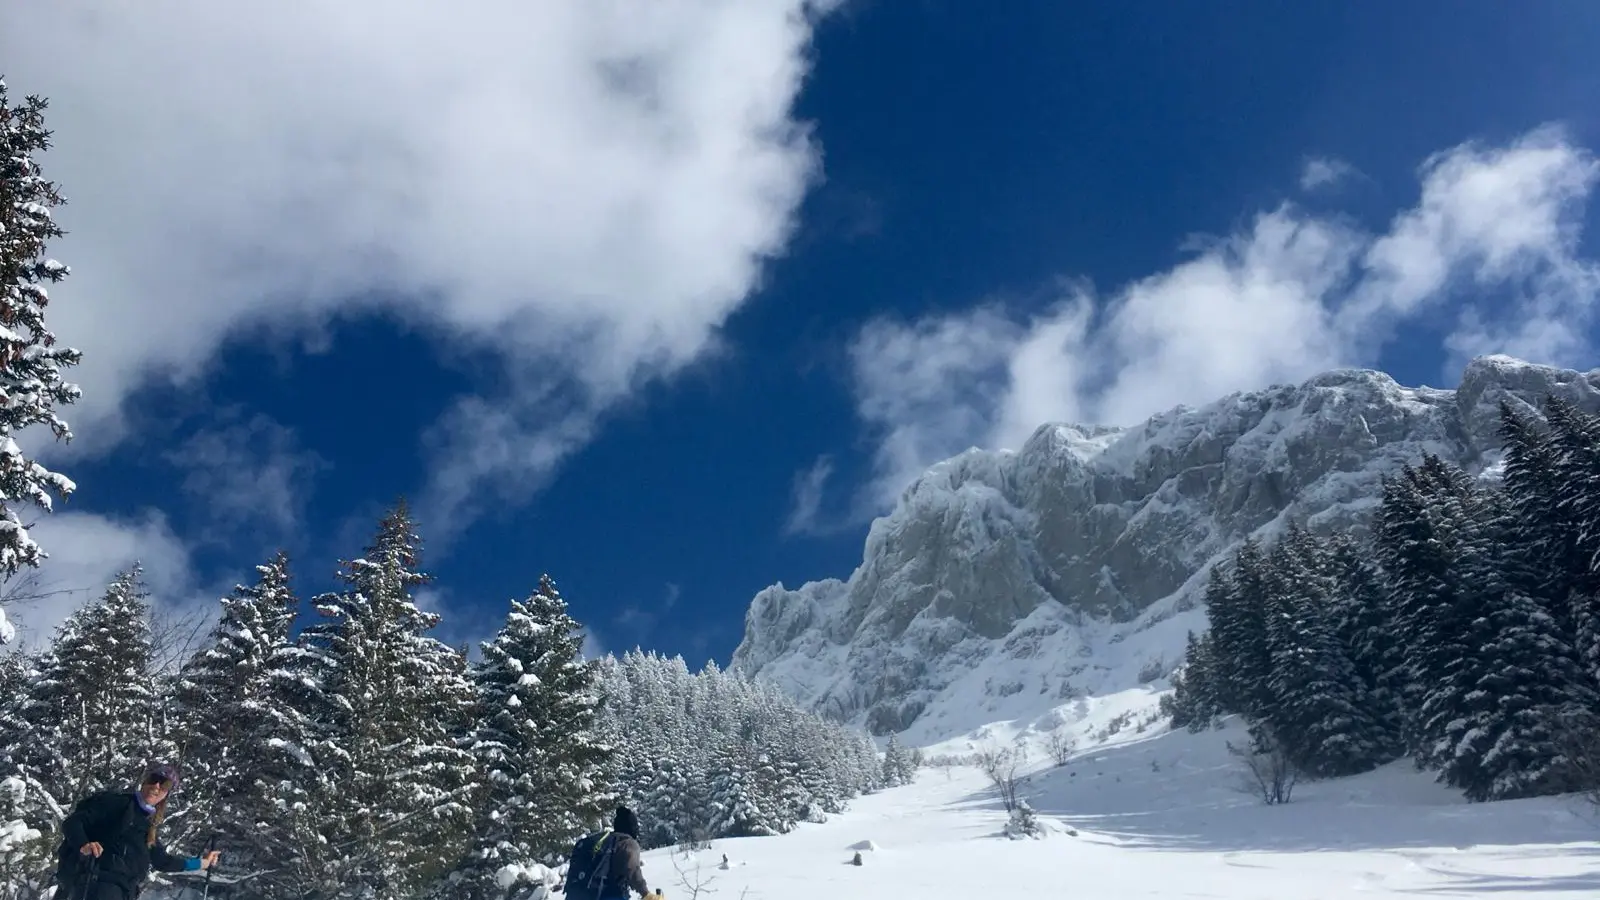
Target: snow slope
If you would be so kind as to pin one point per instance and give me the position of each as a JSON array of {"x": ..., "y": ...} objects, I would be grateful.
[{"x": 1160, "y": 815}]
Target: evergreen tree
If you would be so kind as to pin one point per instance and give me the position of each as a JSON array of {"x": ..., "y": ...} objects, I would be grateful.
[
  {"x": 1416, "y": 563},
  {"x": 31, "y": 363},
  {"x": 27, "y": 811},
  {"x": 1319, "y": 706},
  {"x": 1193, "y": 703},
  {"x": 545, "y": 769},
  {"x": 1364, "y": 625},
  {"x": 897, "y": 766},
  {"x": 1236, "y": 602},
  {"x": 1576, "y": 507},
  {"x": 225, "y": 707},
  {"x": 392, "y": 701},
  {"x": 93, "y": 710}
]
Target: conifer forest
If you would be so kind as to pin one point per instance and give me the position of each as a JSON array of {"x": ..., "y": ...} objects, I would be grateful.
[
  {"x": 1457, "y": 629},
  {"x": 362, "y": 756}
]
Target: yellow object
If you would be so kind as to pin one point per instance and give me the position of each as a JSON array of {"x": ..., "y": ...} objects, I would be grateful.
[{"x": 653, "y": 895}]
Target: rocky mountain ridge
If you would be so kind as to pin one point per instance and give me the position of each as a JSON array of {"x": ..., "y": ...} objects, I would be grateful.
[{"x": 1004, "y": 583}]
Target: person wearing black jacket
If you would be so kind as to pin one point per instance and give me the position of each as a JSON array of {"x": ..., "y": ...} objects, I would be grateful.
[{"x": 109, "y": 841}]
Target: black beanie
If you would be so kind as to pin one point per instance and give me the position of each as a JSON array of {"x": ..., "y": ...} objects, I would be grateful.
[{"x": 626, "y": 823}]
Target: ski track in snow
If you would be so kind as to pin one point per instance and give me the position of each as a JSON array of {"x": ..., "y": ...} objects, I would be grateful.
[{"x": 1162, "y": 815}]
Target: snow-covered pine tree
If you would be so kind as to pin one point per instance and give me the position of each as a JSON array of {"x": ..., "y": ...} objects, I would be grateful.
[
  {"x": 1499, "y": 707},
  {"x": 1193, "y": 703},
  {"x": 1449, "y": 627},
  {"x": 1546, "y": 566},
  {"x": 545, "y": 769},
  {"x": 1236, "y": 604},
  {"x": 31, "y": 362},
  {"x": 897, "y": 768},
  {"x": 1364, "y": 625},
  {"x": 1576, "y": 504},
  {"x": 393, "y": 701},
  {"x": 226, "y": 713},
  {"x": 1319, "y": 706},
  {"x": 28, "y": 814},
  {"x": 1418, "y": 579},
  {"x": 93, "y": 708}
]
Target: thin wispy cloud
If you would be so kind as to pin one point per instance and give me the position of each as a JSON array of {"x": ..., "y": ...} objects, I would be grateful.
[
  {"x": 1322, "y": 172},
  {"x": 805, "y": 508},
  {"x": 248, "y": 473},
  {"x": 1491, "y": 246}
]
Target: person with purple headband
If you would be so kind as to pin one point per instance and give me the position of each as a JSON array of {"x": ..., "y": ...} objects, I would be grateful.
[{"x": 109, "y": 842}]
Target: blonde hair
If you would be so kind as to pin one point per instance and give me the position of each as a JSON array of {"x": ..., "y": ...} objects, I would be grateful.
[{"x": 155, "y": 822}]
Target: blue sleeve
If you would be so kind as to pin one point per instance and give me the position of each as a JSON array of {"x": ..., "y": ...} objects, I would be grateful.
[{"x": 162, "y": 861}]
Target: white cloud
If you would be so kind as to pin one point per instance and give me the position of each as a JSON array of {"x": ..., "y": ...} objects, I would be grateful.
[
  {"x": 249, "y": 473},
  {"x": 86, "y": 552},
  {"x": 1320, "y": 172},
  {"x": 805, "y": 508},
  {"x": 927, "y": 387},
  {"x": 592, "y": 645},
  {"x": 1289, "y": 296},
  {"x": 583, "y": 189}
]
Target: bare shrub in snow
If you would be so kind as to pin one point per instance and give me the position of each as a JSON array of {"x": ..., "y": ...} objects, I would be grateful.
[
  {"x": 1269, "y": 771},
  {"x": 1061, "y": 745},
  {"x": 1000, "y": 764},
  {"x": 694, "y": 882}
]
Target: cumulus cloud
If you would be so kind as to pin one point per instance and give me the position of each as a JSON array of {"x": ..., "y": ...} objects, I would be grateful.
[
  {"x": 86, "y": 552},
  {"x": 582, "y": 190},
  {"x": 1490, "y": 248}
]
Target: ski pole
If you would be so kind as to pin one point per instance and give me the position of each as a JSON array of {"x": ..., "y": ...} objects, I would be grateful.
[
  {"x": 211, "y": 844},
  {"x": 90, "y": 877}
]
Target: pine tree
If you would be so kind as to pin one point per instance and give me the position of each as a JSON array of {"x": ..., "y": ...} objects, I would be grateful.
[
  {"x": 1547, "y": 566},
  {"x": 393, "y": 701},
  {"x": 1193, "y": 703},
  {"x": 31, "y": 363},
  {"x": 94, "y": 709},
  {"x": 1236, "y": 602},
  {"x": 897, "y": 767},
  {"x": 27, "y": 811},
  {"x": 1319, "y": 706},
  {"x": 546, "y": 769},
  {"x": 225, "y": 706},
  {"x": 1365, "y": 626},
  {"x": 1417, "y": 566},
  {"x": 1576, "y": 506}
]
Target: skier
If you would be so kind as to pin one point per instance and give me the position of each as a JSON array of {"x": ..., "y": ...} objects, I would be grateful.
[
  {"x": 606, "y": 863},
  {"x": 109, "y": 842}
]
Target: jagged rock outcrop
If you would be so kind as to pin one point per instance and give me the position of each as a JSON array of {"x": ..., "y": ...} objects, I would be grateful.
[{"x": 1004, "y": 582}]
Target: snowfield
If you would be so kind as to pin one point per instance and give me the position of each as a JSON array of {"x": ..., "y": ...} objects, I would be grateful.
[{"x": 1160, "y": 815}]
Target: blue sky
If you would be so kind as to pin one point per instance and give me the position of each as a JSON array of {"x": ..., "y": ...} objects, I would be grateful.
[{"x": 670, "y": 304}]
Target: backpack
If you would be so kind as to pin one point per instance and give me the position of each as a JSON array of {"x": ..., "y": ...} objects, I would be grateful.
[{"x": 590, "y": 865}]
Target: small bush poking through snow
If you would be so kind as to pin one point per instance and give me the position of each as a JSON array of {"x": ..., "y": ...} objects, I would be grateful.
[{"x": 1024, "y": 823}]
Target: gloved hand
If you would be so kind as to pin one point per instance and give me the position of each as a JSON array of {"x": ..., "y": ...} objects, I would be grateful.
[{"x": 654, "y": 895}]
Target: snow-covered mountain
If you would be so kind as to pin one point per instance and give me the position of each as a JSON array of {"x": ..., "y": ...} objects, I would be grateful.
[{"x": 1005, "y": 583}]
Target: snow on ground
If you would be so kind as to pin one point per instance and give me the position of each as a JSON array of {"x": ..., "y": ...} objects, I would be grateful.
[{"x": 1160, "y": 814}]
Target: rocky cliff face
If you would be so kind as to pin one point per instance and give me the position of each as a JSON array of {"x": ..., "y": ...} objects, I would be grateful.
[{"x": 1006, "y": 582}]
